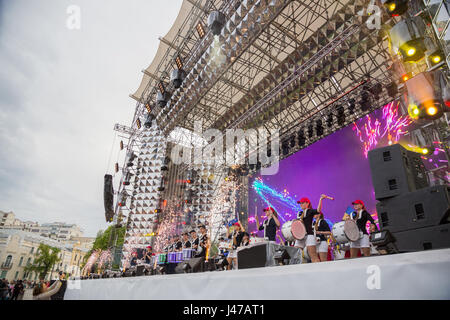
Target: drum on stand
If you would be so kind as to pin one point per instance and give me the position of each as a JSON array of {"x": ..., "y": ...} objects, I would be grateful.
[
  {"x": 294, "y": 230},
  {"x": 179, "y": 257},
  {"x": 345, "y": 231},
  {"x": 162, "y": 258},
  {"x": 188, "y": 253},
  {"x": 352, "y": 231},
  {"x": 171, "y": 256}
]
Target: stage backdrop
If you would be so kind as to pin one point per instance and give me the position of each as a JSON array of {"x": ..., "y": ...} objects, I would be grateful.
[{"x": 336, "y": 166}]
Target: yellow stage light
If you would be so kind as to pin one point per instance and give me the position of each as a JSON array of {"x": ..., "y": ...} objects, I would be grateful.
[{"x": 411, "y": 51}]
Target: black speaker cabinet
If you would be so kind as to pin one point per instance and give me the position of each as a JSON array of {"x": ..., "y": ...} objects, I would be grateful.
[
  {"x": 436, "y": 237},
  {"x": 253, "y": 256},
  {"x": 423, "y": 208},
  {"x": 140, "y": 270},
  {"x": 396, "y": 171},
  {"x": 108, "y": 198}
]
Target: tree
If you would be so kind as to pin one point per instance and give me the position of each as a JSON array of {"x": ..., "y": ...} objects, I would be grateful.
[
  {"x": 46, "y": 258},
  {"x": 106, "y": 239}
]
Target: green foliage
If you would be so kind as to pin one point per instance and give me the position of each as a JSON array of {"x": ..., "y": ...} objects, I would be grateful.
[
  {"x": 106, "y": 239},
  {"x": 46, "y": 258}
]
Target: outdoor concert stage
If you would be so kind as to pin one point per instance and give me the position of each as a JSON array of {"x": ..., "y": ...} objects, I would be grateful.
[{"x": 418, "y": 275}]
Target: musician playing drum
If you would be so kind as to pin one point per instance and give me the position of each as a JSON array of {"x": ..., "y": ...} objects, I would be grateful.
[
  {"x": 307, "y": 214},
  {"x": 270, "y": 225},
  {"x": 322, "y": 230},
  {"x": 186, "y": 243},
  {"x": 361, "y": 216}
]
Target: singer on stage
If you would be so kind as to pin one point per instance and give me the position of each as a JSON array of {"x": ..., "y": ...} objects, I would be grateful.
[{"x": 270, "y": 225}]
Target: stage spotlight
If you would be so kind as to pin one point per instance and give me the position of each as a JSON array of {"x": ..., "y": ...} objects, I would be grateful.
[
  {"x": 428, "y": 94},
  {"x": 149, "y": 121},
  {"x": 161, "y": 99},
  {"x": 285, "y": 147},
  {"x": 216, "y": 21},
  {"x": 177, "y": 77},
  {"x": 301, "y": 137},
  {"x": 179, "y": 62},
  {"x": 310, "y": 130},
  {"x": 436, "y": 57},
  {"x": 200, "y": 29},
  {"x": 426, "y": 151},
  {"x": 392, "y": 89},
  {"x": 351, "y": 106},
  {"x": 407, "y": 38},
  {"x": 376, "y": 90},
  {"x": 319, "y": 127},
  {"x": 330, "y": 120},
  {"x": 396, "y": 7},
  {"x": 340, "y": 115}
]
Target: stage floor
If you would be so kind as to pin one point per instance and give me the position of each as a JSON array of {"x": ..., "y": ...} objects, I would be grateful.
[{"x": 418, "y": 275}]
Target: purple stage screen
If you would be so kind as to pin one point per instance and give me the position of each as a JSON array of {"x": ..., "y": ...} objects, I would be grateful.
[{"x": 336, "y": 166}]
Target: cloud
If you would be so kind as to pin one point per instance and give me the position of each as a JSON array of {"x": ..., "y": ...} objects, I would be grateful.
[{"x": 61, "y": 92}]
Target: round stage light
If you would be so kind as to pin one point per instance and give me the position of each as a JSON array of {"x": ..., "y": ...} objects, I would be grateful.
[
  {"x": 425, "y": 151},
  {"x": 411, "y": 51},
  {"x": 432, "y": 110},
  {"x": 392, "y": 7},
  {"x": 436, "y": 59}
]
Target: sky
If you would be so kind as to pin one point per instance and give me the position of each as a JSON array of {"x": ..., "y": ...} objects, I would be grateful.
[{"x": 61, "y": 92}]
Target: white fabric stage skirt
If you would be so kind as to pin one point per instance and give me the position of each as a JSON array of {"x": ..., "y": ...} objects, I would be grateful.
[{"x": 418, "y": 275}]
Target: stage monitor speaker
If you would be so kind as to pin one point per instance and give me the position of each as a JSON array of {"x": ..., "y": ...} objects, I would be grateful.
[
  {"x": 196, "y": 264},
  {"x": 252, "y": 257},
  {"x": 396, "y": 171},
  {"x": 140, "y": 270},
  {"x": 423, "y": 208},
  {"x": 108, "y": 197},
  {"x": 436, "y": 237}
]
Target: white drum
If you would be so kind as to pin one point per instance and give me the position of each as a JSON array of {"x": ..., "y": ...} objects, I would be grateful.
[
  {"x": 294, "y": 230},
  {"x": 345, "y": 231}
]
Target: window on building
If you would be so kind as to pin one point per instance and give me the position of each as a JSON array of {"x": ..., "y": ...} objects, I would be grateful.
[
  {"x": 17, "y": 274},
  {"x": 28, "y": 261},
  {"x": 20, "y": 261},
  {"x": 32, "y": 250},
  {"x": 8, "y": 260}
]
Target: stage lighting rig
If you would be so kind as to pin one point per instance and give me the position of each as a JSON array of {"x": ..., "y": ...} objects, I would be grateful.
[
  {"x": 392, "y": 89},
  {"x": 216, "y": 21},
  {"x": 407, "y": 38},
  {"x": 351, "y": 107},
  {"x": 340, "y": 116},
  {"x": 330, "y": 119},
  {"x": 179, "y": 62},
  {"x": 395, "y": 7},
  {"x": 310, "y": 130},
  {"x": 149, "y": 121},
  {"x": 162, "y": 98},
  {"x": 200, "y": 29},
  {"x": 436, "y": 57},
  {"x": 177, "y": 77},
  {"x": 301, "y": 137},
  {"x": 384, "y": 242},
  {"x": 319, "y": 127},
  {"x": 428, "y": 95}
]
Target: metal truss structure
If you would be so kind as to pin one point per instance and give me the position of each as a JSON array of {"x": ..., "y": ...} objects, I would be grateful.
[{"x": 277, "y": 64}]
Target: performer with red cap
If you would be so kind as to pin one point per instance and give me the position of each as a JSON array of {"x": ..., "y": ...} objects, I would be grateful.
[
  {"x": 361, "y": 216},
  {"x": 270, "y": 225},
  {"x": 148, "y": 255},
  {"x": 307, "y": 214}
]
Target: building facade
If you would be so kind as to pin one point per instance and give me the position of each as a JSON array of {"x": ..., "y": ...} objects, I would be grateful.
[{"x": 19, "y": 248}]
